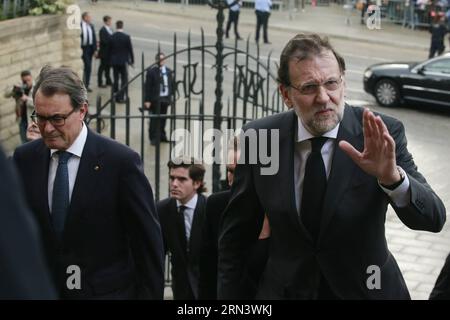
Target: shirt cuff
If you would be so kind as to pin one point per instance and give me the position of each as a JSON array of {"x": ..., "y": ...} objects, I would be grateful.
[{"x": 400, "y": 195}]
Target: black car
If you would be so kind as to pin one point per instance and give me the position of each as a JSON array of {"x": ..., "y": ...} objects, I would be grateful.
[{"x": 426, "y": 82}]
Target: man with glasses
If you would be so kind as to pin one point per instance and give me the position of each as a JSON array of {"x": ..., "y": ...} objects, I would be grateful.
[
  {"x": 340, "y": 167},
  {"x": 94, "y": 205}
]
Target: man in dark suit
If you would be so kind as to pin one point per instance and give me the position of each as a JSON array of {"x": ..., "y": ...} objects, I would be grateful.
[
  {"x": 24, "y": 273},
  {"x": 441, "y": 290},
  {"x": 158, "y": 97},
  {"x": 88, "y": 46},
  {"x": 104, "y": 54},
  {"x": 182, "y": 216},
  {"x": 339, "y": 168},
  {"x": 91, "y": 198},
  {"x": 121, "y": 56},
  {"x": 256, "y": 257}
]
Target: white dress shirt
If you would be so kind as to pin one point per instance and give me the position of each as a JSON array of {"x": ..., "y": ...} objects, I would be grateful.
[
  {"x": 263, "y": 5},
  {"x": 188, "y": 214},
  {"x": 108, "y": 29},
  {"x": 87, "y": 34},
  {"x": 399, "y": 195},
  {"x": 76, "y": 149},
  {"x": 164, "y": 92},
  {"x": 236, "y": 6}
]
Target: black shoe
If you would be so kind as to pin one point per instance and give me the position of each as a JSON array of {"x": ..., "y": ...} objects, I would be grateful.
[
  {"x": 120, "y": 101},
  {"x": 89, "y": 89},
  {"x": 165, "y": 140},
  {"x": 153, "y": 142},
  {"x": 102, "y": 86},
  {"x": 239, "y": 38},
  {"x": 267, "y": 42}
]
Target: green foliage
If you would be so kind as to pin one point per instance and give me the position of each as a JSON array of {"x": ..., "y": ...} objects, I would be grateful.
[{"x": 39, "y": 7}]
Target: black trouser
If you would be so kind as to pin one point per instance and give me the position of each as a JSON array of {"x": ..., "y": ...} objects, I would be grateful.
[
  {"x": 153, "y": 129},
  {"x": 233, "y": 17},
  {"x": 262, "y": 19},
  {"x": 120, "y": 70},
  {"x": 104, "y": 68},
  {"x": 438, "y": 47},
  {"x": 88, "y": 52}
]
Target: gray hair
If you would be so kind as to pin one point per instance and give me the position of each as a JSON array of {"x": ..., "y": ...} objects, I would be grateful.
[{"x": 61, "y": 80}]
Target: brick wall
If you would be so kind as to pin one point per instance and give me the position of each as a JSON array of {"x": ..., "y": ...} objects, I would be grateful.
[{"x": 30, "y": 43}]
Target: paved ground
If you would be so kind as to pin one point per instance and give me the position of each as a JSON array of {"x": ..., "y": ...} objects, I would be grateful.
[{"x": 420, "y": 254}]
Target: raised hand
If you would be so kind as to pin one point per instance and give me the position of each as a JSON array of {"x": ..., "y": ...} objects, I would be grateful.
[{"x": 378, "y": 157}]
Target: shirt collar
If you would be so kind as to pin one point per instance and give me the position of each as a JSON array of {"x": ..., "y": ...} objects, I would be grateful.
[
  {"x": 191, "y": 203},
  {"x": 78, "y": 145},
  {"x": 303, "y": 134}
]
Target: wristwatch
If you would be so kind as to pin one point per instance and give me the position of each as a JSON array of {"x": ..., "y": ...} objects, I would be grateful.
[{"x": 398, "y": 183}]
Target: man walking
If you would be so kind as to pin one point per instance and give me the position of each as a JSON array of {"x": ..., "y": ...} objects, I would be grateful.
[
  {"x": 233, "y": 17},
  {"x": 182, "y": 216},
  {"x": 104, "y": 53},
  {"x": 340, "y": 167},
  {"x": 262, "y": 10},
  {"x": 121, "y": 56},
  {"x": 91, "y": 198}
]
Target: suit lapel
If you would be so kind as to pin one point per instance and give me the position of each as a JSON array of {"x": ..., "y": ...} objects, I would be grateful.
[
  {"x": 197, "y": 222},
  {"x": 287, "y": 147},
  {"x": 342, "y": 167},
  {"x": 42, "y": 163},
  {"x": 178, "y": 220}
]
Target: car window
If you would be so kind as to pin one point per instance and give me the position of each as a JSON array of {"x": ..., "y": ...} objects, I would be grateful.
[{"x": 442, "y": 66}]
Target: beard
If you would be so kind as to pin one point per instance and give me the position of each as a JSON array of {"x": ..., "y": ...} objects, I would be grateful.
[{"x": 318, "y": 124}]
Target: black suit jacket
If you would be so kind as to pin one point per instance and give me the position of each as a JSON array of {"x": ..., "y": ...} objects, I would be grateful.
[
  {"x": 112, "y": 230},
  {"x": 352, "y": 234},
  {"x": 24, "y": 273},
  {"x": 441, "y": 290},
  {"x": 121, "y": 49},
  {"x": 255, "y": 260},
  {"x": 184, "y": 256},
  {"x": 153, "y": 80},
  {"x": 104, "y": 51}
]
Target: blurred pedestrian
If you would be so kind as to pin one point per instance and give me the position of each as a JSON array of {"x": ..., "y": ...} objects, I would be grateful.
[
  {"x": 233, "y": 17},
  {"x": 438, "y": 31},
  {"x": 88, "y": 47},
  {"x": 24, "y": 102},
  {"x": 104, "y": 53},
  {"x": 262, "y": 11},
  {"x": 121, "y": 56},
  {"x": 158, "y": 97}
]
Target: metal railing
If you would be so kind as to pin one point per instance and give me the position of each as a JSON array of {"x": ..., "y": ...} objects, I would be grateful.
[{"x": 10, "y": 9}]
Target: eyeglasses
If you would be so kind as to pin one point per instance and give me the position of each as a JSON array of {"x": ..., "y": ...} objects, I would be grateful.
[
  {"x": 57, "y": 120},
  {"x": 313, "y": 88}
]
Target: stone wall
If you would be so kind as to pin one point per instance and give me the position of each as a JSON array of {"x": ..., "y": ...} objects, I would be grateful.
[{"x": 30, "y": 43}]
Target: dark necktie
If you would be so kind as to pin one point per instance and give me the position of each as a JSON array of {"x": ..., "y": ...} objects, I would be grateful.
[
  {"x": 314, "y": 187},
  {"x": 181, "y": 210},
  {"x": 60, "y": 198}
]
